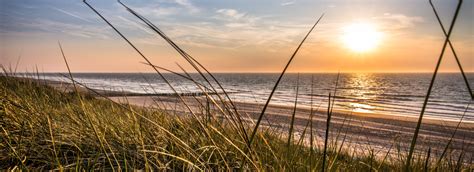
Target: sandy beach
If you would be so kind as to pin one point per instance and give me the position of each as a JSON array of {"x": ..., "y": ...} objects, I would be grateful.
[{"x": 360, "y": 131}]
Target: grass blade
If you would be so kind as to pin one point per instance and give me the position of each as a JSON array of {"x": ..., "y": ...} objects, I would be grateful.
[
  {"x": 427, "y": 160},
  {"x": 278, "y": 82},
  {"x": 328, "y": 122},
  {"x": 425, "y": 103},
  {"x": 452, "y": 50},
  {"x": 290, "y": 132}
]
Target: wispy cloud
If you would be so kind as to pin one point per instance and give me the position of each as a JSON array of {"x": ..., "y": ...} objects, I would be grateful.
[
  {"x": 401, "y": 21},
  {"x": 158, "y": 11},
  {"x": 236, "y": 19},
  {"x": 165, "y": 8},
  {"x": 46, "y": 26},
  {"x": 232, "y": 13},
  {"x": 71, "y": 14},
  {"x": 134, "y": 24},
  {"x": 268, "y": 35},
  {"x": 288, "y": 3},
  {"x": 188, "y": 5}
]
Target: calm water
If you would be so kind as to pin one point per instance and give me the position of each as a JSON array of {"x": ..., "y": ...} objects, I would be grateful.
[{"x": 396, "y": 94}]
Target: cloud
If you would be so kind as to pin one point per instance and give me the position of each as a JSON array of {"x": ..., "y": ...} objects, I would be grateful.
[
  {"x": 234, "y": 30},
  {"x": 188, "y": 5},
  {"x": 71, "y": 14},
  {"x": 232, "y": 13},
  {"x": 42, "y": 26},
  {"x": 235, "y": 25},
  {"x": 287, "y": 3},
  {"x": 230, "y": 29},
  {"x": 134, "y": 24},
  {"x": 401, "y": 21},
  {"x": 235, "y": 19},
  {"x": 269, "y": 35},
  {"x": 157, "y": 11},
  {"x": 165, "y": 8}
]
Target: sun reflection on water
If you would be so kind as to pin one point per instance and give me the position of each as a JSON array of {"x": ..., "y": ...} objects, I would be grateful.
[
  {"x": 365, "y": 108},
  {"x": 364, "y": 88}
]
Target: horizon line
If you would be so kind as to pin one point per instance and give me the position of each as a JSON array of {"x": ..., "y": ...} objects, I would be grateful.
[{"x": 266, "y": 72}]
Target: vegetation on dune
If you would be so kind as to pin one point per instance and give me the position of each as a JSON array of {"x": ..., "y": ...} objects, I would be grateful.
[{"x": 43, "y": 128}]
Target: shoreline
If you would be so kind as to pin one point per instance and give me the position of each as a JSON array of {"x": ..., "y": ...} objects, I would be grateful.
[
  {"x": 140, "y": 100},
  {"x": 362, "y": 129},
  {"x": 67, "y": 87}
]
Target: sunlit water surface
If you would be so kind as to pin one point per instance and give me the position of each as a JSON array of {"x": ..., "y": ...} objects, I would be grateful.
[{"x": 393, "y": 94}]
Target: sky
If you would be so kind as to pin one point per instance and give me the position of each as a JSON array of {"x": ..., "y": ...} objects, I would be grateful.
[{"x": 233, "y": 36}]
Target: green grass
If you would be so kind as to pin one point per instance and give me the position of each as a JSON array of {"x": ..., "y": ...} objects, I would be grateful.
[{"x": 42, "y": 128}]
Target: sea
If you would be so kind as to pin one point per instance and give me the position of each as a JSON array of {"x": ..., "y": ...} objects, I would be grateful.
[{"x": 400, "y": 94}]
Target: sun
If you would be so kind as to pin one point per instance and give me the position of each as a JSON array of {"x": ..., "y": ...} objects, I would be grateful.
[{"x": 361, "y": 37}]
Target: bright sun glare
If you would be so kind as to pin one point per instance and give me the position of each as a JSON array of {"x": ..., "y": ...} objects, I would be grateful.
[{"x": 361, "y": 37}]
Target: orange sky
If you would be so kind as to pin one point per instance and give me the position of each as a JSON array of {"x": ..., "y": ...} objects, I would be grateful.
[{"x": 231, "y": 37}]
